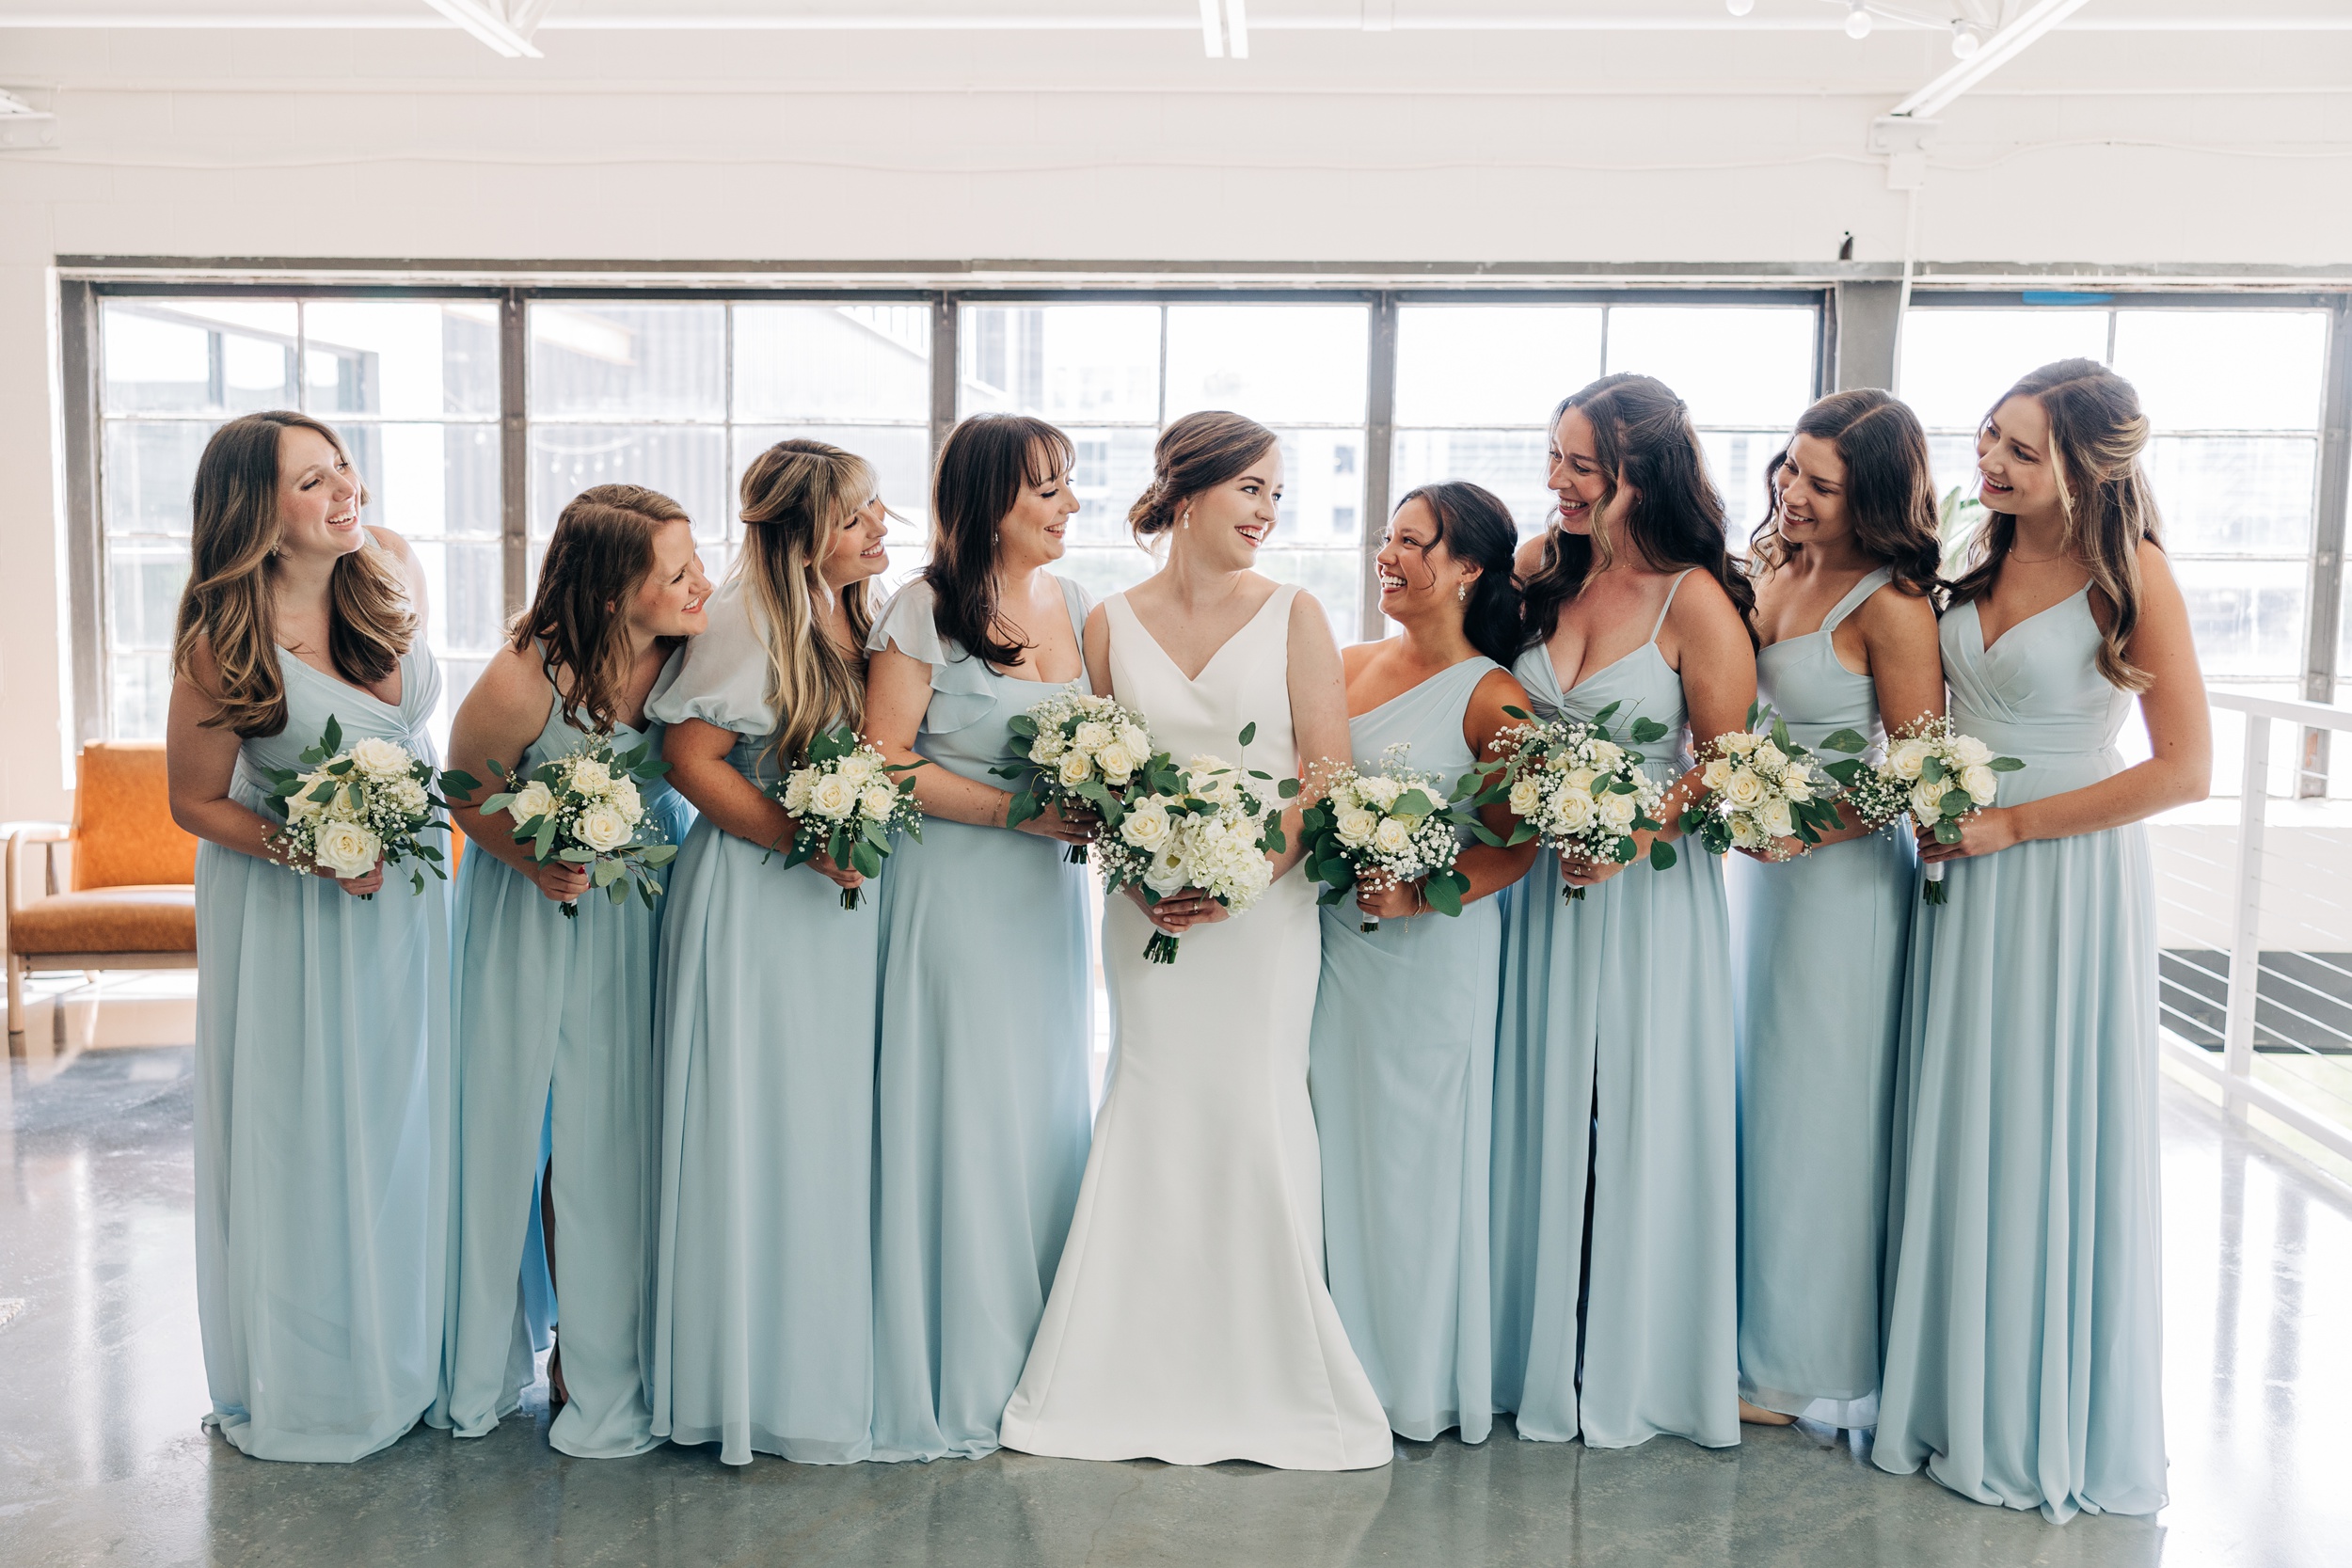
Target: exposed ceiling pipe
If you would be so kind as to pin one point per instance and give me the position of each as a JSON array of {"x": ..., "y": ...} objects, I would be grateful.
[{"x": 1998, "y": 50}]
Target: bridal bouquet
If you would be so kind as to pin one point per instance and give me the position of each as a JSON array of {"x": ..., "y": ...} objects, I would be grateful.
[
  {"x": 1584, "y": 792},
  {"x": 1074, "y": 747},
  {"x": 1931, "y": 771},
  {"x": 1198, "y": 826},
  {"x": 849, "y": 804},
  {"x": 1387, "y": 828},
  {"x": 583, "y": 809},
  {"x": 347, "y": 810},
  {"x": 1762, "y": 790}
]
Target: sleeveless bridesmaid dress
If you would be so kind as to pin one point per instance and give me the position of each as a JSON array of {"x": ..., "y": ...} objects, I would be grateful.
[
  {"x": 1402, "y": 1070},
  {"x": 1614, "y": 1072},
  {"x": 982, "y": 1093},
  {"x": 2024, "y": 1337},
  {"x": 554, "y": 1028},
  {"x": 764, "y": 1010},
  {"x": 321, "y": 1116},
  {"x": 1189, "y": 1320},
  {"x": 1818, "y": 960}
]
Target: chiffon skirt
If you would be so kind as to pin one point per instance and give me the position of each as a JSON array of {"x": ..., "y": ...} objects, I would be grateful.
[
  {"x": 983, "y": 1119},
  {"x": 763, "y": 1305},
  {"x": 1614, "y": 1072},
  {"x": 2024, "y": 1332},
  {"x": 1401, "y": 1072},
  {"x": 1820, "y": 946}
]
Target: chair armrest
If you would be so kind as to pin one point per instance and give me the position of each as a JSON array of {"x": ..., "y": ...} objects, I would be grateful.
[{"x": 21, "y": 834}]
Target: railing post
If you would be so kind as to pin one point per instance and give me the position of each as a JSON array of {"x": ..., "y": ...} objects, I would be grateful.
[{"x": 2237, "y": 1051}]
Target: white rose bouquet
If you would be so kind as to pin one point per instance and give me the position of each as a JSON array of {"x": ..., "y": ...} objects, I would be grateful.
[
  {"x": 1198, "y": 826},
  {"x": 346, "y": 810},
  {"x": 1074, "y": 747},
  {"x": 583, "y": 809},
  {"x": 849, "y": 803},
  {"x": 1930, "y": 770},
  {"x": 1584, "y": 792},
  {"x": 1389, "y": 827},
  {"x": 1761, "y": 789}
]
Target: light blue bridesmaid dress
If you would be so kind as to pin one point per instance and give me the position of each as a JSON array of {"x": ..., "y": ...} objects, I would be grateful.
[
  {"x": 1401, "y": 1066},
  {"x": 983, "y": 1112},
  {"x": 764, "y": 1009},
  {"x": 2023, "y": 1337},
  {"x": 1614, "y": 1070},
  {"x": 1817, "y": 949},
  {"x": 554, "y": 1028},
  {"x": 322, "y": 1115}
]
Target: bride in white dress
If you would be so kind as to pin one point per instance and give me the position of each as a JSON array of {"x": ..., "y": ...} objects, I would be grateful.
[{"x": 1189, "y": 1320}]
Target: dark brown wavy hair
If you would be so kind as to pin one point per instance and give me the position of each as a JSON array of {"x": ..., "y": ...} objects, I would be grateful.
[
  {"x": 983, "y": 467},
  {"x": 1198, "y": 452},
  {"x": 1475, "y": 526},
  {"x": 231, "y": 599},
  {"x": 2097, "y": 434},
  {"x": 1643, "y": 436},
  {"x": 1890, "y": 488},
  {"x": 601, "y": 554}
]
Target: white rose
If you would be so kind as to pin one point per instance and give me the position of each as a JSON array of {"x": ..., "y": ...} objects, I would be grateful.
[
  {"x": 1147, "y": 827},
  {"x": 347, "y": 849},
  {"x": 1717, "y": 773},
  {"x": 1357, "y": 827},
  {"x": 1743, "y": 835},
  {"x": 1926, "y": 802},
  {"x": 1743, "y": 790},
  {"x": 1605, "y": 755},
  {"x": 382, "y": 759},
  {"x": 407, "y": 797},
  {"x": 1344, "y": 797},
  {"x": 348, "y": 804},
  {"x": 797, "y": 788},
  {"x": 1797, "y": 787},
  {"x": 623, "y": 797},
  {"x": 1980, "y": 783},
  {"x": 602, "y": 829},
  {"x": 877, "y": 802},
  {"x": 1089, "y": 702},
  {"x": 1768, "y": 758},
  {"x": 300, "y": 806},
  {"x": 1170, "y": 871},
  {"x": 1134, "y": 738},
  {"x": 1905, "y": 757},
  {"x": 534, "y": 799},
  {"x": 1573, "y": 810},
  {"x": 1074, "y": 769},
  {"x": 1739, "y": 743},
  {"x": 1777, "y": 819},
  {"x": 832, "y": 796},
  {"x": 1968, "y": 751},
  {"x": 1391, "y": 836},
  {"x": 1527, "y": 797},
  {"x": 1619, "y": 811},
  {"x": 1380, "y": 791},
  {"x": 1048, "y": 747},
  {"x": 590, "y": 776},
  {"x": 1117, "y": 762},
  {"x": 1093, "y": 737},
  {"x": 1581, "y": 778},
  {"x": 857, "y": 768}
]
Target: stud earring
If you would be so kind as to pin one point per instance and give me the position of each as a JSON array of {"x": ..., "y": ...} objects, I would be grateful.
[{"x": 996, "y": 536}]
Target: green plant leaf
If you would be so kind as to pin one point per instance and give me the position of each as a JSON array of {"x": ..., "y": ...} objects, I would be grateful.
[
  {"x": 1645, "y": 731},
  {"x": 2004, "y": 765}
]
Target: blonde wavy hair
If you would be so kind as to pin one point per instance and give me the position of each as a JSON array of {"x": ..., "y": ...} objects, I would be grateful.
[
  {"x": 798, "y": 496},
  {"x": 232, "y": 602},
  {"x": 2097, "y": 434}
]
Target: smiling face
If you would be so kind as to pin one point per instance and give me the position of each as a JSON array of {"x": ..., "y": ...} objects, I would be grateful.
[
  {"x": 1581, "y": 484},
  {"x": 2016, "y": 471},
  {"x": 1811, "y": 482},
  {"x": 857, "y": 550},
  {"x": 669, "y": 603},
  {"x": 1035, "y": 530},
  {"x": 1418, "y": 576},
  {"x": 318, "y": 497},
  {"x": 1223, "y": 527}
]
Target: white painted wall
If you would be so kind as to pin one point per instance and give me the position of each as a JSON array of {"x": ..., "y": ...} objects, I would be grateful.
[{"x": 1557, "y": 147}]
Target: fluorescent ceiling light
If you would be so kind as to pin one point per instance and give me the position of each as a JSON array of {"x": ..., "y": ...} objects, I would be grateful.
[{"x": 1212, "y": 31}]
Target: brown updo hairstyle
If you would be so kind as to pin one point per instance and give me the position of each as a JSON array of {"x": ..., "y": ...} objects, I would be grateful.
[
  {"x": 1197, "y": 454},
  {"x": 1890, "y": 489},
  {"x": 231, "y": 600},
  {"x": 1475, "y": 527},
  {"x": 601, "y": 556}
]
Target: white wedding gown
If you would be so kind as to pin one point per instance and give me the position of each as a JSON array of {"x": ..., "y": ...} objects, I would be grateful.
[{"x": 1189, "y": 1320}]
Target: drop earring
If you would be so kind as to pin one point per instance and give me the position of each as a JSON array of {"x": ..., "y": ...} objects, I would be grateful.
[
  {"x": 1184, "y": 522},
  {"x": 1461, "y": 592}
]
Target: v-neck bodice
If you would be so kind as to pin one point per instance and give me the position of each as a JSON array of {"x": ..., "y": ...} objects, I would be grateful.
[
  {"x": 2036, "y": 695},
  {"x": 1641, "y": 685},
  {"x": 314, "y": 697},
  {"x": 1802, "y": 679}
]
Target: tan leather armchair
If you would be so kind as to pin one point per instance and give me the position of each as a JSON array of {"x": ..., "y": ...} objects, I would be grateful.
[{"x": 128, "y": 900}]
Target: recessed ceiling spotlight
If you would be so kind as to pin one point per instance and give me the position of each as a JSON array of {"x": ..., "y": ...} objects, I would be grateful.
[
  {"x": 1858, "y": 21},
  {"x": 1966, "y": 38}
]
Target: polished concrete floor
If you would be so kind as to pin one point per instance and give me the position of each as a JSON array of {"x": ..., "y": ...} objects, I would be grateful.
[{"x": 102, "y": 1460}]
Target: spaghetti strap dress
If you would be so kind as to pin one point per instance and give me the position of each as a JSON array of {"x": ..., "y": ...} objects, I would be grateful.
[
  {"x": 1613, "y": 1094},
  {"x": 1817, "y": 949},
  {"x": 554, "y": 1029},
  {"x": 984, "y": 1100},
  {"x": 1402, "y": 1070},
  {"x": 2025, "y": 1319},
  {"x": 764, "y": 1017},
  {"x": 322, "y": 1115}
]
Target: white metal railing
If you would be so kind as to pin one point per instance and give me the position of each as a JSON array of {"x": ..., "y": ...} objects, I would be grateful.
[{"x": 2285, "y": 1029}]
